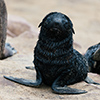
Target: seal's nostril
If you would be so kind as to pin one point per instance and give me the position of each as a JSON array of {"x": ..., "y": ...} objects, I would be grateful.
[{"x": 56, "y": 23}]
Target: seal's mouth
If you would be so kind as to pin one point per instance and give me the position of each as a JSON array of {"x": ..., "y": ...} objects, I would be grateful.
[
  {"x": 55, "y": 30},
  {"x": 55, "y": 33}
]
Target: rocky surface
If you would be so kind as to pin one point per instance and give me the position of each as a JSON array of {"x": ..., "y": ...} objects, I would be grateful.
[{"x": 86, "y": 19}]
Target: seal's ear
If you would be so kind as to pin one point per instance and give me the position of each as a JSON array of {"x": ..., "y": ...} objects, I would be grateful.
[
  {"x": 40, "y": 24},
  {"x": 46, "y": 18},
  {"x": 70, "y": 24},
  {"x": 73, "y": 30}
]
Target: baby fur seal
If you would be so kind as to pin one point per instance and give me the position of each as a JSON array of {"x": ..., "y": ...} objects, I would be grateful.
[
  {"x": 93, "y": 57},
  {"x": 57, "y": 64},
  {"x": 5, "y": 49}
]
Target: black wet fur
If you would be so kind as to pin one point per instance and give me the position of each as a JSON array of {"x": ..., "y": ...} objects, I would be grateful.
[
  {"x": 57, "y": 64},
  {"x": 94, "y": 66}
]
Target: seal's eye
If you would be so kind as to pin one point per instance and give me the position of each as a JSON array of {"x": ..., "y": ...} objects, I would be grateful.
[{"x": 66, "y": 25}]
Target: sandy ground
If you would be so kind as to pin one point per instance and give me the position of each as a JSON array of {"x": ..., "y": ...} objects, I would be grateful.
[{"x": 86, "y": 19}]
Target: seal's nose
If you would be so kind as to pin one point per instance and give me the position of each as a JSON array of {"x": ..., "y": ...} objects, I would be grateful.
[{"x": 57, "y": 21}]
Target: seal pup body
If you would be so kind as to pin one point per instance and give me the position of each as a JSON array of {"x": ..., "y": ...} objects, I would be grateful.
[{"x": 93, "y": 57}]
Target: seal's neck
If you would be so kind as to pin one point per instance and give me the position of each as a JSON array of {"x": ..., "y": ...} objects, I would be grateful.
[
  {"x": 54, "y": 53},
  {"x": 65, "y": 43}
]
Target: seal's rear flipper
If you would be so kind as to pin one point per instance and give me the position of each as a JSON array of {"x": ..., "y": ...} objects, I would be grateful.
[
  {"x": 90, "y": 81},
  {"x": 96, "y": 55},
  {"x": 9, "y": 51},
  {"x": 30, "y": 67}
]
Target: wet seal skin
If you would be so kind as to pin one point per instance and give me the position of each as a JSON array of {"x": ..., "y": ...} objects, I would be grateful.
[
  {"x": 93, "y": 57},
  {"x": 5, "y": 49},
  {"x": 57, "y": 64}
]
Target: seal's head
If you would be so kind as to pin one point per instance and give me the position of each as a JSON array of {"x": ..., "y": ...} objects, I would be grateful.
[{"x": 56, "y": 25}]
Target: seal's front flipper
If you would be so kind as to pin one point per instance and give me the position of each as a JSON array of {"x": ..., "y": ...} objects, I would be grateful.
[
  {"x": 30, "y": 67},
  {"x": 30, "y": 83},
  {"x": 96, "y": 55},
  {"x": 24, "y": 81},
  {"x": 9, "y": 51},
  {"x": 59, "y": 88},
  {"x": 90, "y": 81}
]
